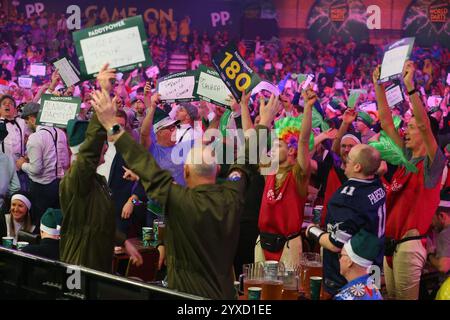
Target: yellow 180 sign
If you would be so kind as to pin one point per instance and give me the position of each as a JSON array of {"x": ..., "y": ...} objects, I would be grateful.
[
  {"x": 234, "y": 71},
  {"x": 242, "y": 80}
]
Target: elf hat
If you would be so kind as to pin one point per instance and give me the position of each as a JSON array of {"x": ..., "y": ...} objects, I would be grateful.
[
  {"x": 51, "y": 222},
  {"x": 363, "y": 248}
]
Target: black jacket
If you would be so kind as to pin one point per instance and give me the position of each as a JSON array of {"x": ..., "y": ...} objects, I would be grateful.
[{"x": 47, "y": 248}]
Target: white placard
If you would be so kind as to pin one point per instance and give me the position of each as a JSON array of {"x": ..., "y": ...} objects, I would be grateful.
[
  {"x": 369, "y": 107},
  {"x": 434, "y": 101},
  {"x": 448, "y": 79},
  {"x": 119, "y": 48},
  {"x": 339, "y": 85},
  {"x": 66, "y": 72},
  {"x": 394, "y": 95},
  {"x": 37, "y": 69},
  {"x": 58, "y": 111},
  {"x": 264, "y": 85},
  {"x": 25, "y": 82},
  {"x": 213, "y": 89},
  {"x": 395, "y": 58},
  {"x": 177, "y": 88}
]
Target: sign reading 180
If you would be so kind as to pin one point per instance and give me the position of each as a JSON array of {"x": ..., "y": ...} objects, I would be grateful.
[{"x": 235, "y": 72}]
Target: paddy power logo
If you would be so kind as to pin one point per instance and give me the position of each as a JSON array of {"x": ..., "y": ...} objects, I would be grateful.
[
  {"x": 428, "y": 21},
  {"x": 438, "y": 12},
  {"x": 339, "y": 12}
]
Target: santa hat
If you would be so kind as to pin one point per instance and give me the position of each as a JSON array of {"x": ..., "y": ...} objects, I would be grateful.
[
  {"x": 363, "y": 248},
  {"x": 51, "y": 222}
]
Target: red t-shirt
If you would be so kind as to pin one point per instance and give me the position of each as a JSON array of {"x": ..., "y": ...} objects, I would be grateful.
[{"x": 282, "y": 212}]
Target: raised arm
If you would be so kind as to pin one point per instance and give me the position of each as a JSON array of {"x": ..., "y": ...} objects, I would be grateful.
[
  {"x": 245, "y": 113},
  {"x": 420, "y": 114},
  {"x": 156, "y": 182},
  {"x": 303, "y": 157},
  {"x": 347, "y": 119},
  {"x": 147, "y": 124},
  {"x": 384, "y": 114}
]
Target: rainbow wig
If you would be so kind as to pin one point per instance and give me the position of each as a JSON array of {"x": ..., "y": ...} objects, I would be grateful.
[{"x": 288, "y": 130}]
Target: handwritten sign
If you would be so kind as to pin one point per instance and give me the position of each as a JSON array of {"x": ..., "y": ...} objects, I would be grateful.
[
  {"x": 394, "y": 95},
  {"x": 235, "y": 72},
  {"x": 38, "y": 70},
  {"x": 122, "y": 44},
  {"x": 211, "y": 88},
  {"x": 57, "y": 111},
  {"x": 25, "y": 82},
  {"x": 394, "y": 58},
  {"x": 67, "y": 71},
  {"x": 178, "y": 87}
]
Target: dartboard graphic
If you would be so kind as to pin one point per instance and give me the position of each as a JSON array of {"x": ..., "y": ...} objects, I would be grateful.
[
  {"x": 342, "y": 18},
  {"x": 428, "y": 21}
]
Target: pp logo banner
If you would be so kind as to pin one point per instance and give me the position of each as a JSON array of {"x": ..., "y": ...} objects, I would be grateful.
[{"x": 221, "y": 18}]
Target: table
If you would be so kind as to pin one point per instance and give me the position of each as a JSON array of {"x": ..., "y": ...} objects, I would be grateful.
[{"x": 121, "y": 255}]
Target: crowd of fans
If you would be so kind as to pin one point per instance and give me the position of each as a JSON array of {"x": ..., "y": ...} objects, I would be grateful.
[{"x": 34, "y": 158}]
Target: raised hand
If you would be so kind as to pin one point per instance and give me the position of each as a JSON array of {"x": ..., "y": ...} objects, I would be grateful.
[
  {"x": 349, "y": 116},
  {"x": 408, "y": 74},
  {"x": 269, "y": 111},
  {"x": 376, "y": 75},
  {"x": 244, "y": 100},
  {"x": 309, "y": 96},
  {"x": 105, "y": 108},
  {"x": 105, "y": 76}
]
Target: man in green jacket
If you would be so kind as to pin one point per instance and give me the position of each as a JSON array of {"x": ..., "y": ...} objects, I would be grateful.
[
  {"x": 88, "y": 231},
  {"x": 202, "y": 223}
]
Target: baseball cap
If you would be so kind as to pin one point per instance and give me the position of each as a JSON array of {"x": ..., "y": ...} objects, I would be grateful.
[{"x": 31, "y": 108}]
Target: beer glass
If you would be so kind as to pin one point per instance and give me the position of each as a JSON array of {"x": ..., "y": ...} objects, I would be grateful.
[
  {"x": 252, "y": 276},
  {"x": 272, "y": 286},
  {"x": 310, "y": 266}
]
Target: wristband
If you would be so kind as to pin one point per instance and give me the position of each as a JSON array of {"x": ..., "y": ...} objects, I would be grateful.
[
  {"x": 135, "y": 202},
  {"x": 315, "y": 233},
  {"x": 410, "y": 93}
]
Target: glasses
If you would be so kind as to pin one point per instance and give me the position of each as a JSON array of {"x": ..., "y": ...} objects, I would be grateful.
[
  {"x": 340, "y": 255},
  {"x": 172, "y": 127}
]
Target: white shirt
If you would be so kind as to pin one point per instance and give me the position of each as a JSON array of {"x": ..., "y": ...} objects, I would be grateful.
[
  {"x": 187, "y": 133},
  {"x": 14, "y": 143},
  {"x": 105, "y": 168},
  {"x": 44, "y": 157}
]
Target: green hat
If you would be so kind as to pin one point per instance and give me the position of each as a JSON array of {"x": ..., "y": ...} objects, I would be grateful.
[
  {"x": 365, "y": 117},
  {"x": 161, "y": 120},
  {"x": 51, "y": 221},
  {"x": 76, "y": 132},
  {"x": 363, "y": 248}
]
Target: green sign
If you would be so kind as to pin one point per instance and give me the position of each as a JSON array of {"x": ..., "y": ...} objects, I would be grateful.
[
  {"x": 122, "y": 44},
  {"x": 235, "y": 72},
  {"x": 57, "y": 111},
  {"x": 178, "y": 87},
  {"x": 210, "y": 87}
]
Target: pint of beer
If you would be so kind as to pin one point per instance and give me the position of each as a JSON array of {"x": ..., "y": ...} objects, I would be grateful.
[{"x": 310, "y": 266}]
